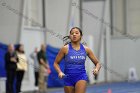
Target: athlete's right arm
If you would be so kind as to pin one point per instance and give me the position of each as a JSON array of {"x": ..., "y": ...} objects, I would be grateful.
[{"x": 58, "y": 59}]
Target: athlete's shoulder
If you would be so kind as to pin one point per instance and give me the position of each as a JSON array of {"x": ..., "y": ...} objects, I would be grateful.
[
  {"x": 87, "y": 49},
  {"x": 64, "y": 48}
]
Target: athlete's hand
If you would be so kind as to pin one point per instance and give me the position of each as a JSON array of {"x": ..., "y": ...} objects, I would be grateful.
[
  {"x": 95, "y": 71},
  {"x": 61, "y": 75}
]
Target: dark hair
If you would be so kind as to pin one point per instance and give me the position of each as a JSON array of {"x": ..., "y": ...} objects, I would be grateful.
[
  {"x": 66, "y": 39},
  {"x": 81, "y": 33},
  {"x": 18, "y": 48}
]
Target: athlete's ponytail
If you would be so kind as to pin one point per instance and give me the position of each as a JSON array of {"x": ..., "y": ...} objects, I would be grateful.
[{"x": 66, "y": 40}]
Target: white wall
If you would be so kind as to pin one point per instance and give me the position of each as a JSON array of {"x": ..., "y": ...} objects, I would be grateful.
[
  {"x": 57, "y": 20},
  {"x": 10, "y": 22},
  {"x": 92, "y": 25},
  {"x": 34, "y": 11},
  {"x": 133, "y": 20},
  {"x": 126, "y": 17},
  {"x": 118, "y": 10},
  {"x": 124, "y": 54}
]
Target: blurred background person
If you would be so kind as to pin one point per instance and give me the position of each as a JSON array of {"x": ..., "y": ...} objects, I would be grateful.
[
  {"x": 43, "y": 67},
  {"x": 10, "y": 66},
  {"x": 21, "y": 66},
  {"x": 36, "y": 66}
]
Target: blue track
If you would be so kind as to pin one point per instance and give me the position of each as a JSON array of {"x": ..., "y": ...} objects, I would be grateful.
[{"x": 121, "y": 87}]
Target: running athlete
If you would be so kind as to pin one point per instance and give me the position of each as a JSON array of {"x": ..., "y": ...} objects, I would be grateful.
[{"x": 74, "y": 53}]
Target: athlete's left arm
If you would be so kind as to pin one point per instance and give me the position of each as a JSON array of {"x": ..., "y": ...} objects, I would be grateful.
[{"x": 94, "y": 60}]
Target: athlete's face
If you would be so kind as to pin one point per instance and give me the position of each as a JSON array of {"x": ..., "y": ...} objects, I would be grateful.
[{"x": 75, "y": 35}]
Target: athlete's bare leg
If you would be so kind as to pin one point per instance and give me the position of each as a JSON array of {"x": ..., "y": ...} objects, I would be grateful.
[
  {"x": 80, "y": 86},
  {"x": 69, "y": 89}
]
